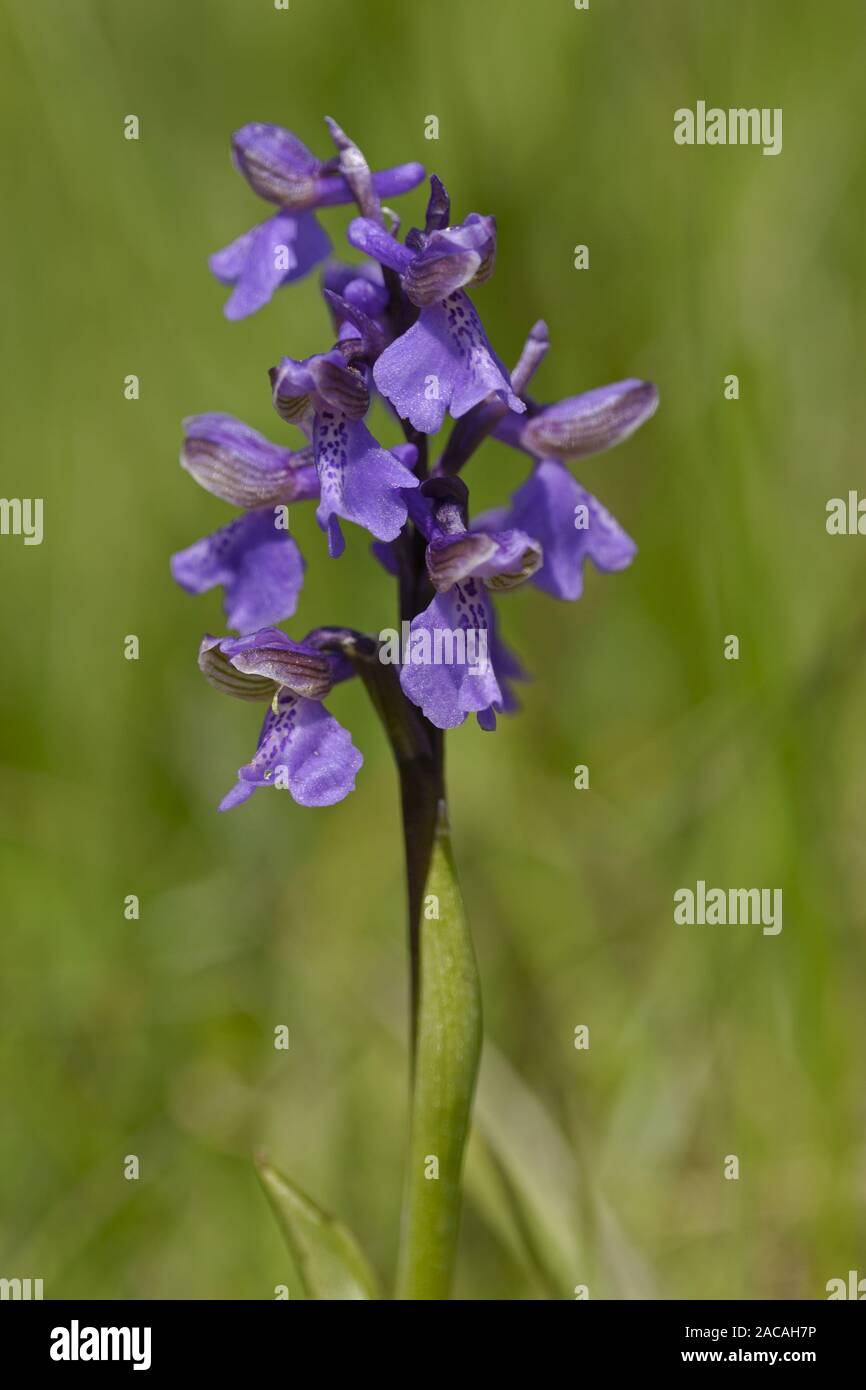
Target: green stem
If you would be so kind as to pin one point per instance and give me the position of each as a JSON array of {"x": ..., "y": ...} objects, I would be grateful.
[
  {"x": 447, "y": 1052},
  {"x": 444, "y": 992},
  {"x": 419, "y": 752},
  {"x": 422, "y": 791}
]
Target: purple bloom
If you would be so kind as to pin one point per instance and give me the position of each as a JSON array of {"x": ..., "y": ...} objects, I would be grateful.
[
  {"x": 258, "y": 564},
  {"x": 284, "y": 248},
  {"x": 503, "y": 559},
  {"x": 360, "y": 285},
  {"x": 359, "y": 480},
  {"x": 254, "y": 558},
  {"x": 238, "y": 464},
  {"x": 402, "y": 323},
  {"x": 301, "y": 748},
  {"x": 279, "y": 167},
  {"x": 446, "y": 675},
  {"x": 453, "y": 659},
  {"x": 444, "y": 361},
  {"x": 591, "y": 422},
  {"x": 571, "y": 526},
  {"x": 357, "y": 298}
]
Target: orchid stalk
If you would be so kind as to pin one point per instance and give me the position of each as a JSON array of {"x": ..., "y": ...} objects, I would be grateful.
[{"x": 403, "y": 327}]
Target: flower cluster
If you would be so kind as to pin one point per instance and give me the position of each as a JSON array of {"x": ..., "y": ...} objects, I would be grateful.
[{"x": 403, "y": 326}]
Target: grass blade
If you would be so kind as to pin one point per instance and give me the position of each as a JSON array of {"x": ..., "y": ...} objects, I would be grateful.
[{"x": 330, "y": 1261}]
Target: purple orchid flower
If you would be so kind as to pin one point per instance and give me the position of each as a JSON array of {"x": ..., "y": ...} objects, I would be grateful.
[
  {"x": 327, "y": 396},
  {"x": 403, "y": 323},
  {"x": 454, "y": 658},
  {"x": 301, "y": 748},
  {"x": 254, "y": 558},
  {"x": 444, "y": 360},
  {"x": 283, "y": 248},
  {"x": 280, "y": 169},
  {"x": 444, "y": 683},
  {"x": 571, "y": 525},
  {"x": 261, "y": 570}
]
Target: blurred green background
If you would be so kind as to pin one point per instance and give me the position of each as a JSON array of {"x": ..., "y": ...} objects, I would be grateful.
[{"x": 155, "y": 1037}]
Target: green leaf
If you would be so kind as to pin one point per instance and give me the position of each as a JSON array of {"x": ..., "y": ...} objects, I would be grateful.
[
  {"x": 329, "y": 1259},
  {"x": 538, "y": 1194},
  {"x": 524, "y": 1179},
  {"x": 508, "y": 1209},
  {"x": 447, "y": 1051}
]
